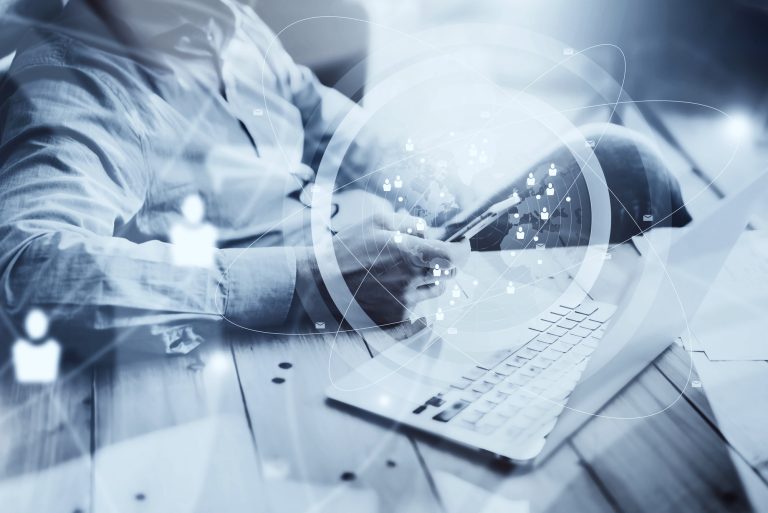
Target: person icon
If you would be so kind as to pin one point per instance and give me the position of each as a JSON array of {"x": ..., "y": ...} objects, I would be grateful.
[
  {"x": 510, "y": 287},
  {"x": 35, "y": 362},
  {"x": 398, "y": 182},
  {"x": 398, "y": 238},
  {"x": 456, "y": 292},
  {"x": 544, "y": 214},
  {"x": 439, "y": 315},
  {"x": 515, "y": 196},
  {"x": 530, "y": 181},
  {"x": 420, "y": 225},
  {"x": 193, "y": 242},
  {"x": 409, "y": 145},
  {"x": 387, "y": 185},
  {"x": 520, "y": 233},
  {"x": 550, "y": 189},
  {"x": 552, "y": 170},
  {"x": 436, "y": 270}
]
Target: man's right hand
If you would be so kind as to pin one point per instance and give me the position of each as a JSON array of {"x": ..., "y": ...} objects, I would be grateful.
[{"x": 388, "y": 278}]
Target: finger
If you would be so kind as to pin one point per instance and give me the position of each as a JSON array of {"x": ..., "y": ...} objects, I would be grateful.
[
  {"x": 381, "y": 220},
  {"x": 404, "y": 222},
  {"x": 424, "y": 293},
  {"x": 427, "y": 277},
  {"x": 428, "y": 252},
  {"x": 460, "y": 252}
]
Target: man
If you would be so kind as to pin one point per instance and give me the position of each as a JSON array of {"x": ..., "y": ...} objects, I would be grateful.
[{"x": 124, "y": 109}]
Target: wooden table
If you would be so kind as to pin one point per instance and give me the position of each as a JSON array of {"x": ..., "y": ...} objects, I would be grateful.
[{"x": 216, "y": 431}]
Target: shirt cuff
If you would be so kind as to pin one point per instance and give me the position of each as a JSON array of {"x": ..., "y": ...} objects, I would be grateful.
[{"x": 258, "y": 285}]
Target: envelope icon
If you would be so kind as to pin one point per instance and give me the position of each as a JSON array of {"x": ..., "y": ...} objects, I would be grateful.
[
  {"x": 648, "y": 217},
  {"x": 539, "y": 245},
  {"x": 320, "y": 325}
]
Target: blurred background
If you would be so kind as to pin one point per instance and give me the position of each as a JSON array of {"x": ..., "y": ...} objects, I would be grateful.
[
  {"x": 706, "y": 50},
  {"x": 694, "y": 67}
]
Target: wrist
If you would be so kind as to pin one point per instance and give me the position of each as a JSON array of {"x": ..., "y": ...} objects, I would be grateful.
[{"x": 311, "y": 296}]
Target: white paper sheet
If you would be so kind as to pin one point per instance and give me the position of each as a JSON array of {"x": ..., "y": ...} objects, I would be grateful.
[
  {"x": 736, "y": 392},
  {"x": 732, "y": 323}
]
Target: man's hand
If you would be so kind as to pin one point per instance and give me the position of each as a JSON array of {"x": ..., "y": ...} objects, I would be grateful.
[{"x": 387, "y": 277}]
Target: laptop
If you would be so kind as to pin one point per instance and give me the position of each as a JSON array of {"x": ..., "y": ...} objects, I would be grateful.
[{"x": 547, "y": 377}]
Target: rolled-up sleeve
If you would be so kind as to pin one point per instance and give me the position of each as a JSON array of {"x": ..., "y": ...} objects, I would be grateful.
[
  {"x": 260, "y": 284},
  {"x": 73, "y": 170}
]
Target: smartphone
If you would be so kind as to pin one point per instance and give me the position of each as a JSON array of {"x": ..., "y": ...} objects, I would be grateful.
[{"x": 482, "y": 221}]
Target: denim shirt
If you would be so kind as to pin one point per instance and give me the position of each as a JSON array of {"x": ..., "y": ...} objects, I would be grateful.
[{"x": 102, "y": 139}]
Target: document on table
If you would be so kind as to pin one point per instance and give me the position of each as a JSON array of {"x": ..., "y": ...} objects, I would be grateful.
[
  {"x": 731, "y": 323},
  {"x": 736, "y": 392}
]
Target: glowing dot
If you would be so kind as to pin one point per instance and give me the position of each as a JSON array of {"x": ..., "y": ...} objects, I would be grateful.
[
  {"x": 384, "y": 401},
  {"x": 218, "y": 363},
  {"x": 446, "y": 272},
  {"x": 568, "y": 199},
  {"x": 437, "y": 282},
  {"x": 538, "y": 196},
  {"x": 409, "y": 230},
  {"x": 442, "y": 194},
  {"x": 739, "y": 126},
  {"x": 512, "y": 253},
  {"x": 451, "y": 302},
  {"x": 535, "y": 238},
  {"x": 400, "y": 199},
  {"x": 539, "y": 261},
  {"x": 474, "y": 282}
]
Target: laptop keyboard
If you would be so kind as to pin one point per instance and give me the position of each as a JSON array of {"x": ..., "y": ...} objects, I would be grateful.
[{"x": 524, "y": 391}]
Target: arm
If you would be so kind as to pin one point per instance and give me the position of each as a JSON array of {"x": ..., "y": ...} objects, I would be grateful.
[
  {"x": 322, "y": 110},
  {"x": 72, "y": 172}
]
